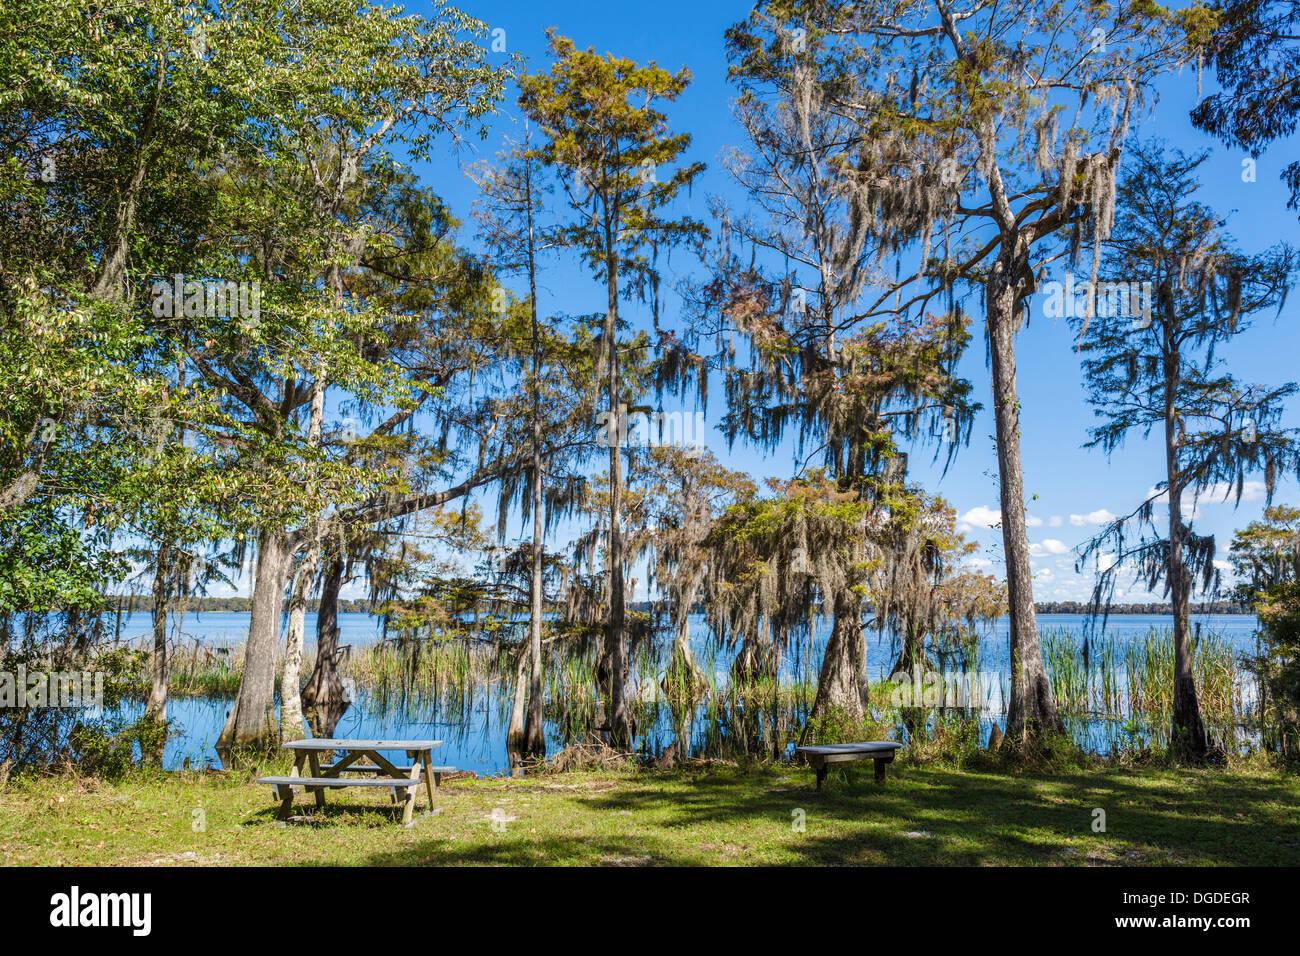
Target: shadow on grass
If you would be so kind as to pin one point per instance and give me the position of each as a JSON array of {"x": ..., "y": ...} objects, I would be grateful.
[
  {"x": 307, "y": 814},
  {"x": 923, "y": 816}
]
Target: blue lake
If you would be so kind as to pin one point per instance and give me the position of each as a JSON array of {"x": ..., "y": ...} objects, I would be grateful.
[{"x": 478, "y": 743}]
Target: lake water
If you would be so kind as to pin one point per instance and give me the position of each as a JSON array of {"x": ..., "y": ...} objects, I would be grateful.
[{"x": 478, "y": 743}]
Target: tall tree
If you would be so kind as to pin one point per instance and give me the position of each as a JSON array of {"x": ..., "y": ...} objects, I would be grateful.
[
  {"x": 509, "y": 212},
  {"x": 1160, "y": 371},
  {"x": 615, "y": 159},
  {"x": 987, "y": 139},
  {"x": 855, "y": 390},
  {"x": 338, "y": 107}
]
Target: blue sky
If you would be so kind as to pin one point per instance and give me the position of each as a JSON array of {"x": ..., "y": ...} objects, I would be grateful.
[{"x": 1071, "y": 490}]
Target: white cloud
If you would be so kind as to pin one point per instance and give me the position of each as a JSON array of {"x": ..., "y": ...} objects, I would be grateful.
[
  {"x": 1217, "y": 493},
  {"x": 981, "y": 517},
  {"x": 1055, "y": 521},
  {"x": 979, "y": 562},
  {"x": 1048, "y": 546},
  {"x": 1100, "y": 516}
]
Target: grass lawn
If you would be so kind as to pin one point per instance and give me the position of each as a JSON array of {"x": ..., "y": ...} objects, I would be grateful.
[{"x": 721, "y": 815}]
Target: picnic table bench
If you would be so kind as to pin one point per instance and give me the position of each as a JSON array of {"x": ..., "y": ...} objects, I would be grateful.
[
  {"x": 403, "y": 779},
  {"x": 880, "y": 751}
]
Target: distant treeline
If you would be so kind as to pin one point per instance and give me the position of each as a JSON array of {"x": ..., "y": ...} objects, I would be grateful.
[
  {"x": 144, "y": 602},
  {"x": 141, "y": 602},
  {"x": 1080, "y": 607}
]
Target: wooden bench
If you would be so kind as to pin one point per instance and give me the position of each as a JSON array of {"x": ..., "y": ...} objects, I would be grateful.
[
  {"x": 821, "y": 756},
  {"x": 400, "y": 779}
]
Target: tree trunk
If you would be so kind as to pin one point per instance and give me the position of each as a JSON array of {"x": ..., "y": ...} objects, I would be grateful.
[
  {"x": 291, "y": 722},
  {"x": 534, "y": 733},
  {"x": 325, "y": 698},
  {"x": 251, "y": 728},
  {"x": 1032, "y": 708},
  {"x": 291, "y": 725},
  {"x": 619, "y": 718},
  {"x": 534, "y": 737},
  {"x": 515, "y": 729},
  {"x": 155, "y": 711},
  {"x": 840, "y": 685},
  {"x": 1187, "y": 735},
  {"x": 685, "y": 679}
]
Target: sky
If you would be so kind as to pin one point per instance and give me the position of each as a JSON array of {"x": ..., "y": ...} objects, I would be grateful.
[{"x": 1070, "y": 490}]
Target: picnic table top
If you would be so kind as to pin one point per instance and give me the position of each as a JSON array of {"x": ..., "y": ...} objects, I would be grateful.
[
  {"x": 862, "y": 747},
  {"x": 330, "y": 743}
]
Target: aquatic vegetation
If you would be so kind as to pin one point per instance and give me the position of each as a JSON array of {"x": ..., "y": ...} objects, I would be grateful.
[{"x": 1114, "y": 693}]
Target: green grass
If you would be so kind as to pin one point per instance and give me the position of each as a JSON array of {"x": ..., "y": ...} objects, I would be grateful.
[{"x": 715, "y": 815}]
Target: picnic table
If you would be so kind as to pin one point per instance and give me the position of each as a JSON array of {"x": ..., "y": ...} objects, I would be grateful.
[
  {"x": 881, "y": 751},
  {"x": 403, "y": 779}
]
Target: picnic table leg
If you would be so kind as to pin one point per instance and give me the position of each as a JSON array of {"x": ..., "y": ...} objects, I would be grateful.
[
  {"x": 314, "y": 759},
  {"x": 408, "y": 805},
  {"x": 408, "y": 808},
  {"x": 426, "y": 760},
  {"x": 820, "y": 768},
  {"x": 285, "y": 793},
  {"x": 880, "y": 770}
]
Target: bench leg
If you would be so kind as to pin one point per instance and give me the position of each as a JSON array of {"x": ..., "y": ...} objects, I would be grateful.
[
  {"x": 430, "y": 781},
  {"x": 821, "y": 775},
  {"x": 314, "y": 759},
  {"x": 285, "y": 796},
  {"x": 408, "y": 806},
  {"x": 880, "y": 770}
]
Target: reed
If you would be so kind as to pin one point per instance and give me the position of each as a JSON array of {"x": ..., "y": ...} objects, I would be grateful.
[
  {"x": 1131, "y": 681},
  {"x": 1119, "y": 694}
]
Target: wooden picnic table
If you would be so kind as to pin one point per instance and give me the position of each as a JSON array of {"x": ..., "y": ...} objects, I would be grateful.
[{"x": 405, "y": 779}]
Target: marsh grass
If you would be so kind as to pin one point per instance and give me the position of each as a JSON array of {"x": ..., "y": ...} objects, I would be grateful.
[
  {"x": 1128, "y": 683},
  {"x": 1117, "y": 697}
]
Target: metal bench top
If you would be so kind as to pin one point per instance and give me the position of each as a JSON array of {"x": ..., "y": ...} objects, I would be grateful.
[
  {"x": 340, "y": 781},
  {"x": 329, "y": 743},
  {"x": 862, "y": 747}
]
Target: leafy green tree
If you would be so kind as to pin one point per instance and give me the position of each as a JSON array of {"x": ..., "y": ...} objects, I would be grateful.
[
  {"x": 1265, "y": 557},
  {"x": 340, "y": 86},
  {"x": 1266, "y": 553}
]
